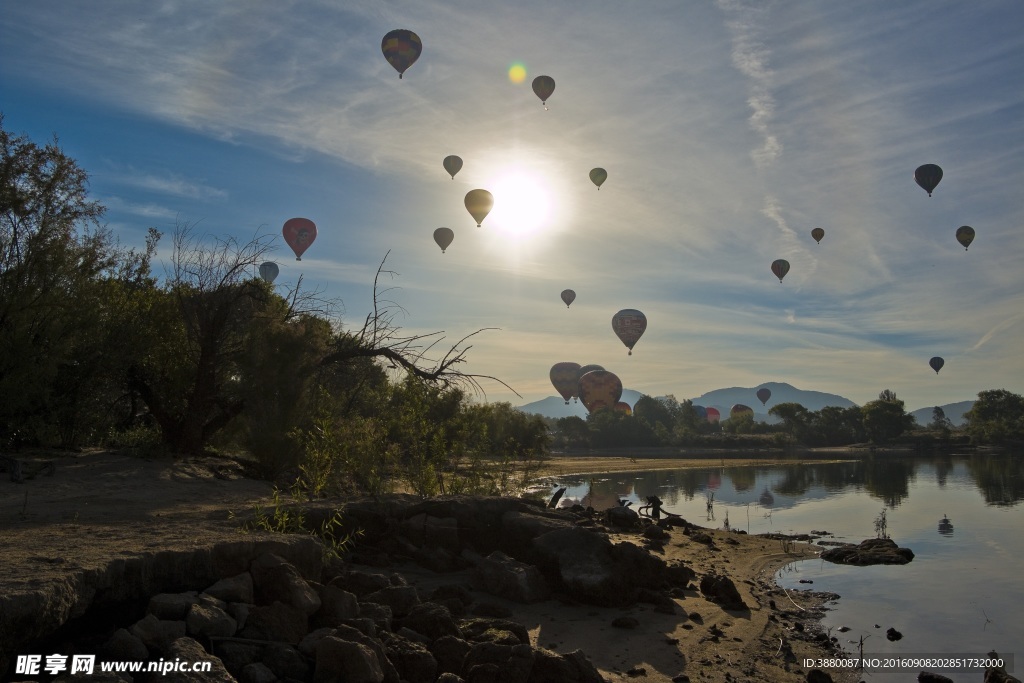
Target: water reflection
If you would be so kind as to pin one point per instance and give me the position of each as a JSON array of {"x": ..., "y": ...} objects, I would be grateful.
[{"x": 945, "y": 526}]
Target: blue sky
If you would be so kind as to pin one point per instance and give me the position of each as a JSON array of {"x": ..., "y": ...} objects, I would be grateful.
[{"x": 729, "y": 130}]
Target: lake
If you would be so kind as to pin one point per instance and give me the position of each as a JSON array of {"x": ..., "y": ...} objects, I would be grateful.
[{"x": 963, "y": 516}]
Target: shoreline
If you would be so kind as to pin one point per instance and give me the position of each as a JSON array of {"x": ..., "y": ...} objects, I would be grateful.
[{"x": 567, "y": 465}]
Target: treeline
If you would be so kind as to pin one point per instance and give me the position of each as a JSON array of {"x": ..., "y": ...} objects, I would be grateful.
[
  {"x": 997, "y": 417},
  {"x": 96, "y": 350}
]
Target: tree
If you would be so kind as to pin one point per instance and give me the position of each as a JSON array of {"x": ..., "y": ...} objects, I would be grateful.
[
  {"x": 885, "y": 419},
  {"x": 794, "y": 418},
  {"x": 996, "y": 417}
]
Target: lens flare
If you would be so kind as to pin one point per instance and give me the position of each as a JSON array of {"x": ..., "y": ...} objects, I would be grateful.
[{"x": 517, "y": 72}]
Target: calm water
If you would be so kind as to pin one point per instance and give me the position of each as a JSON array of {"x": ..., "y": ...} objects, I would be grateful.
[{"x": 962, "y": 594}]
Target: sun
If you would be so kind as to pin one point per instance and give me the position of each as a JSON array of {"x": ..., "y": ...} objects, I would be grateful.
[{"x": 522, "y": 203}]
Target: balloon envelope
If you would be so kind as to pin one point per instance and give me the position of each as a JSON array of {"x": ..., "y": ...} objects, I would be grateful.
[
  {"x": 269, "y": 271},
  {"x": 568, "y": 296},
  {"x": 713, "y": 415},
  {"x": 565, "y": 378},
  {"x": 543, "y": 86},
  {"x": 629, "y": 325},
  {"x": 936, "y": 364},
  {"x": 763, "y": 394},
  {"x": 599, "y": 389},
  {"x": 928, "y": 176},
  {"x": 780, "y": 267},
  {"x": 817, "y": 234},
  {"x": 452, "y": 164},
  {"x": 622, "y": 407},
  {"x": 401, "y": 48},
  {"x": 965, "y": 235},
  {"x": 443, "y": 237},
  {"x": 701, "y": 412},
  {"x": 479, "y": 203},
  {"x": 740, "y": 409},
  {"x": 598, "y": 176},
  {"x": 299, "y": 233}
]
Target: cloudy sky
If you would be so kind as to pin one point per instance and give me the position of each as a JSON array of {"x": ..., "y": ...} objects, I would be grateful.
[{"x": 729, "y": 130}]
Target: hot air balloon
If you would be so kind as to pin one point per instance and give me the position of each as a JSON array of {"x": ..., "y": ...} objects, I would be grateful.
[
  {"x": 740, "y": 409},
  {"x": 598, "y": 176},
  {"x": 780, "y": 267},
  {"x": 700, "y": 411},
  {"x": 401, "y": 48},
  {"x": 543, "y": 86},
  {"x": 443, "y": 237},
  {"x": 817, "y": 234},
  {"x": 936, "y": 364},
  {"x": 479, "y": 203},
  {"x": 299, "y": 233},
  {"x": 269, "y": 271},
  {"x": 629, "y": 325},
  {"x": 623, "y": 407},
  {"x": 568, "y": 296},
  {"x": 713, "y": 415},
  {"x": 965, "y": 235},
  {"x": 928, "y": 176},
  {"x": 599, "y": 389},
  {"x": 582, "y": 371},
  {"x": 763, "y": 394},
  {"x": 452, "y": 164},
  {"x": 565, "y": 378}
]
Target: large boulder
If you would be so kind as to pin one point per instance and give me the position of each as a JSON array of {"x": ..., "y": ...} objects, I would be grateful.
[
  {"x": 871, "y": 551},
  {"x": 501, "y": 575},
  {"x": 342, "y": 660},
  {"x": 722, "y": 591},
  {"x": 276, "y": 580}
]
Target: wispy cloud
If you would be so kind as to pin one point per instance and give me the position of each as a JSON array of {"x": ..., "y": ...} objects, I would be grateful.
[{"x": 169, "y": 184}]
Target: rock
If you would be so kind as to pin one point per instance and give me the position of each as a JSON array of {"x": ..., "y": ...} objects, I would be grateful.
[
  {"x": 172, "y": 606},
  {"x": 157, "y": 634},
  {"x": 380, "y": 615},
  {"x": 238, "y": 588},
  {"x": 550, "y": 667},
  {"x": 503, "y": 576},
  {"x": 818, "y": 676},
  {"x": 257, "y": 672},
  {"x": 869, "y": 552},
  {"x": 487, "y": 662},
  {"x": 892, "y": 634},
  {"x": 626, "y": 622},
  {"x": 427, "y": 530},
  {"x": 401, "y": 599},
  {"x": 307, "y": 646},
  {"x": 122, "y": 646},
  {"x": 490, "y": 609},
  {"x": 341, "y": 660},
  {"x": 432, "y": 620},
  {"x": 450, "y": 678},
  {"x": 581, "y": 562},
  {"x": 188, "y": 650},
  {"x": 239, "y": 611},
  {"x": 701, "y": 537},
  {"x": 622, "y": 517},
  {"x": 286, "y": 662},
  {"x": 336, "y": 605},
  {"x": 475, "y": 629},
  {"x": 276, "y": 580},
  {"x": 413, "y": 660},
  {"x": 276, "y": 621},
  {"x": 656, "y": 533},
  {"x": 360, "y": 583},
  {"x": 236, "y": 655},
  {"x": 519, "y": 528},
  {"x": 204, "y": 621},
  {"x": 722, "y": 591},
  {"x": 355, "y": 636},
  {"x": 450, "y": 653},
  {"x": 930, "y": 677}
]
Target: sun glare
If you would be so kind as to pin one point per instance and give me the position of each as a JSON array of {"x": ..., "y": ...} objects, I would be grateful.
[{"x": 522, "y": 204}]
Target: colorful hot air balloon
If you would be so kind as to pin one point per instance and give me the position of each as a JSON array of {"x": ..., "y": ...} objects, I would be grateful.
[
  {"x": 479, "y": 203},
  {"x": 700, "y": 411},
  {"x": 936, "y": 364},
  {"x": 928, "y": 176},
  {"x": 568, "y": 296},
  {"x": 763, "y": 394},
  {"x": 629, "y": 325},
  {"x": 543, "y": 86},
  {"x": 452, "y": 164},
  {"x": 713, "y": 415},
  {"x": 598, "y": 176},
  {"x": 740, "y": 409},
  {"x": 817, "y": 234},
  {"x": 401, "y": 48},
  {"x": 444, "y": 237},
  {"x": 780, "y": 267},
  {"x": 565, "y": 378},
  {"x": 623, "y": 407},
  {"x": 582, "y": 371},
  {"x": 965, "y": 235},
  {"x": 299, "y": 233},
  {"x": 599, "y": 389},
  {"x": 269, "y": 271}
]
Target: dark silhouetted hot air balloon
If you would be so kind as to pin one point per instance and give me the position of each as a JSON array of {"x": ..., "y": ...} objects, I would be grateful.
[
  {"x": 936, "y": 364},
  {"x": 965, "y": 235},
  {"x": 269, "y": 271},
  {"x": 713, "y": 415},
  {"x": 543, "y": 86},
  {"x": 479, "y": 203},
  {"x": 452, "y": 164},
  {"x": 299, "y": 233},
  {"x": 629, "y": 325},
  {"x": 763, "y": 394},
  {"x": 780, "y": 267},
  {"x": 599, "y": 389},
  {"x": 623, "y": 407},
  {"x": 598, "y": 176},
  {"x": 700, "y": 411},
  {"x": 928, "y": 176},
  {"x": 565, "y": 378},
  {"x": 401, "y": 48},
  {"x": 740, "y": 409},
  {"x": 568, "y": 296},
  {"x": 587, "y": 368},
  {"x": 444, "y": 237},
  {"x": 817, "y": 234}
]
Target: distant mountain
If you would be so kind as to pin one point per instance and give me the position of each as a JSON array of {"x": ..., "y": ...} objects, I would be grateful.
[
  {"x": 954, "y": 412},
  {"x": 554, "y": 406}
]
